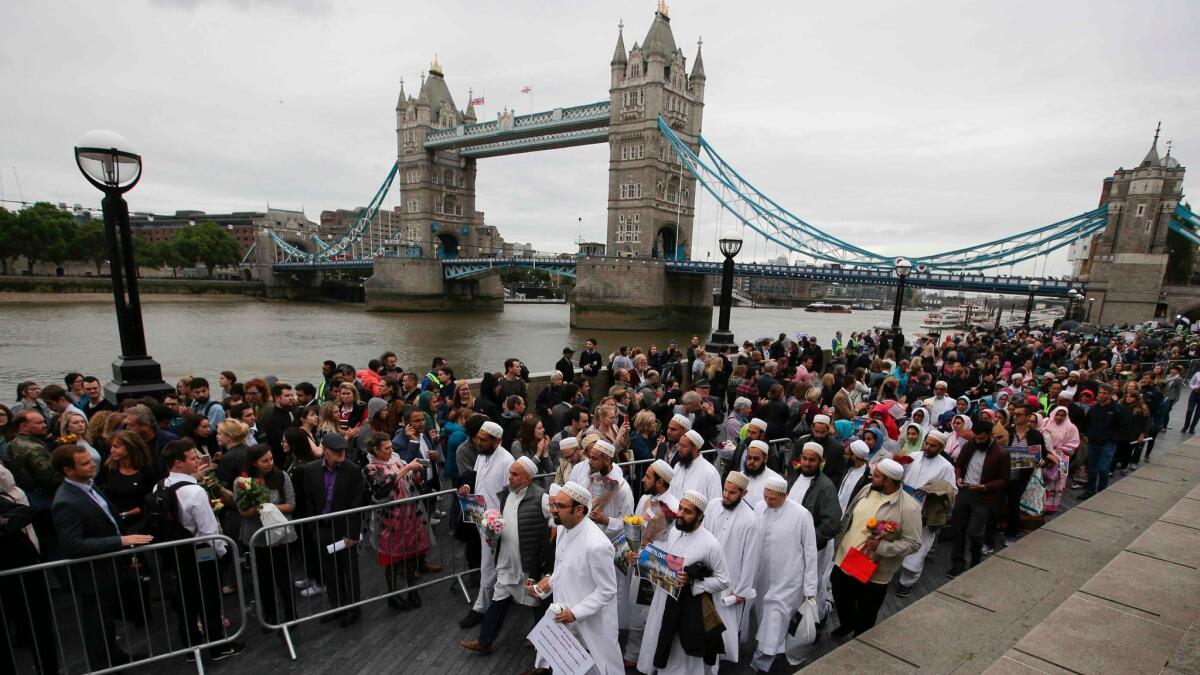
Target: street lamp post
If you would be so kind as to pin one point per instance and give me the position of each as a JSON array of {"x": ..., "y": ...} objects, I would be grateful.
[
  {"x": 1072, "y": 296},
  {"x": 722, "y": 339},
  {"x": 108, "y": 162},
  {"x": 1088, "y": 318},
  {"x": 1033, "y": 286},
  {"x": 901, "y": 270}
]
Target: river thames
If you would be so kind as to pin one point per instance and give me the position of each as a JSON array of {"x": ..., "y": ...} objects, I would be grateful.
[{"x": 44, "y": 339}]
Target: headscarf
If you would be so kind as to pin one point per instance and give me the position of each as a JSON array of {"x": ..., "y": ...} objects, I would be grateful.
[
  {"x": 1001, "y": 398},
  {"x": 959, "y": 438},
  {"x": 425, "y": 405},
  {"x": 889, "y": 423},
  {"x": 924, "y": 422},
  {"x": 844, "y": 430},
  {"x": 908, "y": 447},
  {"x": 1064, "y": 438}
]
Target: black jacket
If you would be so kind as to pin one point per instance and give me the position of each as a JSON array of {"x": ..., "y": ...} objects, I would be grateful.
[
  {"x": 347, "y": 494},
  {"x": 568, "y": 371},
  {"x": 684, "y": 616},
  {"x": 589, "y": 363},
  {"x": 83, "y": 531}
]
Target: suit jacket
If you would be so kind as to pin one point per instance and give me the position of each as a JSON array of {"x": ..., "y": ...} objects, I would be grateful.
[
  {"x": 347, "y": 494},
  {"x": 821, "y": 500},
  {"x": 83, "y": 531},
  {"x": 842, "y": 410}
]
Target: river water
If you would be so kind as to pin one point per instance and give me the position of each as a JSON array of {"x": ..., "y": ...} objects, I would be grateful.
[{"x": 45, "y": 339}]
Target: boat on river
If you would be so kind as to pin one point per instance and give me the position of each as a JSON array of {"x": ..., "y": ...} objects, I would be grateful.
[{"x": 827, "y": 308}]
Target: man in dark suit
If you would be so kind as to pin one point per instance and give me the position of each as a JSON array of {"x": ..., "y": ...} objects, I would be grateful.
[
  {"x": 87, "y": 526},
  {"x": 564, "y": 365},
  {"x": 333, "y": 484}
]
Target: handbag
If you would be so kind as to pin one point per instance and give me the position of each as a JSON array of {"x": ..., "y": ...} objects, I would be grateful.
[
  {"x": 857, "y": 565},
  {"x": 270, "y": 514},
  {"x": 1033, "y": 501}
]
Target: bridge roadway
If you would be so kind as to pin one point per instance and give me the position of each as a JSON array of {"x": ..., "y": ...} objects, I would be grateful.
[
  {"x": 461, "y": 268},
  {"x": 557, "y": 128}
]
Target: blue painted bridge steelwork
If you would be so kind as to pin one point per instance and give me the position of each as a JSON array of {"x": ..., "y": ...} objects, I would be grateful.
[{"x": 465, "y": 268}]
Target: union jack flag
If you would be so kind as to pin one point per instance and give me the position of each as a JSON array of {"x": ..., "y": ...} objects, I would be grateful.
[{"x": 477, "y": 101}]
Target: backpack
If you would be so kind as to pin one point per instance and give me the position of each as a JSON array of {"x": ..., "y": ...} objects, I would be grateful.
[{"x": 161, "y": 509}]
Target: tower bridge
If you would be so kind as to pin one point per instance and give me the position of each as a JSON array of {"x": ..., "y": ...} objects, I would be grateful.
[{"x": 443, "y": 256}]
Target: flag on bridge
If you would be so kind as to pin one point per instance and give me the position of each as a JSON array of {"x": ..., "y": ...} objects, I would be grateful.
[
  {"x": 526, "y": 90},
  {"x": 477, "y": 101}
]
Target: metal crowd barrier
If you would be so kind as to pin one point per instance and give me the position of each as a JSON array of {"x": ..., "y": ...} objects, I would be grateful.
[
  {"x": 299, "y": 552},
  {"x": 108, "y": 612}
]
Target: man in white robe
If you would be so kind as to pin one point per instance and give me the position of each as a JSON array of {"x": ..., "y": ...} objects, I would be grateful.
[
  {"x": 757, "y": 471},
  {"x": 694, "y": 544},
  {"x": 491, "y": 476},
  {"x": 657, "y": 508},
  {"x": 693, "y": 471},
  {"x": 927, "y": 466},
  {"x": 787, "y": 569},
  {"x": 856, "y": 472},
  {"x": 612, "y": 499},
  {"x": 584, "y": 581},
  {"x": 735, "y": 525}
]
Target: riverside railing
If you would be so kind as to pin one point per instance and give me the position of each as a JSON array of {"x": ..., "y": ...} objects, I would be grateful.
[{"x": 108, "y": 612}]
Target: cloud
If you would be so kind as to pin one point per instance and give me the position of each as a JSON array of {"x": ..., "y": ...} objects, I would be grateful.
[{"x": 299, "y": 7}]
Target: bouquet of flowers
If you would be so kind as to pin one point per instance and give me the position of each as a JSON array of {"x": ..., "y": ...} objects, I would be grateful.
[
  {"x": 635, "y": 527},
  {"x": 602, "y": 490},
  {"x": 882, "y": 529},
  {"x": 493, "y": 525},
  {"x": 251, "y": 492},
  {"x": 210, "y": 482}
]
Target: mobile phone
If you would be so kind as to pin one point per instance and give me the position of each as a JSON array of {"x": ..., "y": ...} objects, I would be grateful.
[{"x": 424, "y": 462}]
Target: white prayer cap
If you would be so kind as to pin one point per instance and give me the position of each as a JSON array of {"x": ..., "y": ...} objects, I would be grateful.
[
  {"x": 1073, "y": 372},
  {"x": 554, "y": 489},
  {"x": 821, "y": 419},
  {"x": 776, "y": 484},
  {"x": 682, "y": 421},
  {"x": 937, "y": 436},
  {"x": 577, "y": 492},
  {"x": 739, "y": 479},
  {"x": 568, "y": 443},
  {"x": 662, "y": 470},
  {"x": 941, "y": 383},
  {"x": 813, "y": 447},
  {"x": 759, "y": 445},
  {"x": 605, "y": 447},
  {"x": 528, "y": 465},
  {"x": 759, "y": 424},
  {"x": 860, "y": 449},
  {"x": 695, "y": 438},
  {"x": 891, "y": 468},
  {"x": 697, "y": 499},
  {"x": 492, "y": 429}
]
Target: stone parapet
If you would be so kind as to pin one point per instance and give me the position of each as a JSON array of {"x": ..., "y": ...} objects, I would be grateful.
[{"x": 638, "y": 294}]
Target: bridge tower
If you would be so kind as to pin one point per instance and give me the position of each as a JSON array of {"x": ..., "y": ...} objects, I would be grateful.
[
  {"x": 1129, "y": 258},
  {"x": 437, "y": 188},
  {"x": 651, "y": 197}
]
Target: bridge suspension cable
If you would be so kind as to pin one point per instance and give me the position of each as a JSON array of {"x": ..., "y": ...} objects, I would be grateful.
[
  {"x": 363, "y": 238},
  {"x": 783, "y": 228}
]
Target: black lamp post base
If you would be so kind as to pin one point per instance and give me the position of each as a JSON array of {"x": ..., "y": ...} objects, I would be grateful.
[
  {"x": 136, "y": 377},
  {"x": 722, "y": 340}
]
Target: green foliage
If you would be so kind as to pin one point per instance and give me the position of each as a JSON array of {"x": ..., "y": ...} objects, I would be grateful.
[
  {"x": 156, "y": 254},
  {"x": 90, "y": 244},
  {"x": 8, "y": 238},
  {"x": 45, "y": 233},
  {"x": 206, "y": 243},
  {"x": 1181, "y": 261}
]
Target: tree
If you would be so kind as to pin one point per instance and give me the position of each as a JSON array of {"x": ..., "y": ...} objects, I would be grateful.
[
  {"x": 156, "y": 254},
  {"x": 90, "y": 245},
  {"x": 9, "y": 228},
  {"x": 46, "y": 234},
  {"x": 207, "y": 243}
]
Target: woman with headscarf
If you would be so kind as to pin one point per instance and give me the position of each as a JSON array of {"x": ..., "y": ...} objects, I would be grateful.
[
  {"x": 920, "y": 416},
  {"x": 488, "y": 401},
  {"x": 882, "y": 413},
  {"x": 1063, "y": 436},
  {"x": 1000, "y": 402},
  {"x": 844, "y": 430},
  {"x": 960, "y": 428},
  {"x": 912, "y": 439},
  {"x": 962, "y": 406}
]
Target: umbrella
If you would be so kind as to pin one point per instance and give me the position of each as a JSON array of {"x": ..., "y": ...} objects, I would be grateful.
[
  {"x": 1151, "y": 342},
  {"x": 1069, "y": 325},
  {"x": 1086, "y": 329}
]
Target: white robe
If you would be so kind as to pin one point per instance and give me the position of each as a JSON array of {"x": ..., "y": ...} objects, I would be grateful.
[
  {"x": 491, "y": 476},
  {"x": 701, "y": 476},
  {"x": 510, "y": 577},
  {"x": 585, "y": 582},
  {"x": 633, "y": 615},
  {"x": 787, "y": 570},
  {"x": 754, "y": 491},
  {"x": 619, "y": 505},
  {"x": 737, "y": 530},
  {"x": 699, "y": 545},
  {"x": 924, "y": 469},
  {"x": 846, "y": 490}
]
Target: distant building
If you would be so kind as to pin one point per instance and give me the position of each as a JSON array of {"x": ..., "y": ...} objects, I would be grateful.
[
  {"x": 385, "y": 223},
  {"x": 591, "y": 248},
  {"x": 241, "y": 224}
]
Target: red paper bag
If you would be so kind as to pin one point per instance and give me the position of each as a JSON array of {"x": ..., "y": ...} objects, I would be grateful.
[{"x": 858, "y": 565}]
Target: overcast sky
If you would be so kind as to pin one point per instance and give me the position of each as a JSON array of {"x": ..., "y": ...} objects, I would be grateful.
[{"x": 903, "y": 127}]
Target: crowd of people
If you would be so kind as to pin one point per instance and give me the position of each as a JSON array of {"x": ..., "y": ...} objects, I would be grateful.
[{"x": 795, "y": 480}]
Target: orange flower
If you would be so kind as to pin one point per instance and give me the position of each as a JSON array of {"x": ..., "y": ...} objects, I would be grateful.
[{"x": 871, "y": 523}]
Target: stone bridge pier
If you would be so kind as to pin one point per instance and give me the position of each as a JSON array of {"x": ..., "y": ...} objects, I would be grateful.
[
  {"x": 419, "y": 285},
  {"x": 639, "y": 294}
]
